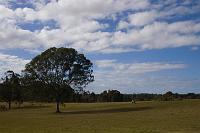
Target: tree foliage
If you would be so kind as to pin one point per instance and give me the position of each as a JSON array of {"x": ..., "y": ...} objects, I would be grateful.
[
  {"x": 111, "y": 96},
  {"x": 10, "y": 88}
]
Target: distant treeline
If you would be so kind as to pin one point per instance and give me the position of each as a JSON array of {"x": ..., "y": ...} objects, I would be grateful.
[
  {"x": 40, "y": 93},
  {"x": 116, "y": 96}
]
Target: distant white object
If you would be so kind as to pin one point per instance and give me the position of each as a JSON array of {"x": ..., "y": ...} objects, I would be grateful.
[{"x": 133, "y": 101}]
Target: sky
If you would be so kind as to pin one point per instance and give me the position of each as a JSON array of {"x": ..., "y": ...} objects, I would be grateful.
[{"x": 136, "y": 46}]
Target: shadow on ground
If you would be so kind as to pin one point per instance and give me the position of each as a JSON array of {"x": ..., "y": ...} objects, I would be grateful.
[
  {"x": 115, "y": 110},
  {"x": 31, "y": 107}
]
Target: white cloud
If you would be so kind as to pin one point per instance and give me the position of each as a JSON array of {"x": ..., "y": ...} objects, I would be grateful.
[
  {"x": 136, "y": 68},
  {"x": 123, "y": 25},
  {"x": 77, "y": 23},
  {"x": 10, "y": 62},
  {"x": 143, "y": 18},
  {"x": 105, "y": 63},
  {"x": 12, "y": 36},
  {"x": 160, "y": 35},
  {"x": 78, "y": 26},
  {"x": 157, "y": 12},
  {"x": 5, "y": 12}
]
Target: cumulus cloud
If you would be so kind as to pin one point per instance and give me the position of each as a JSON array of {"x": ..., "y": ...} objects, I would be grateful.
[
  {"x": 160, "y": 35},
  {"x": 84, "y": 26},
  {"x": 12, "y": 36},
  {"x": 6, "y": 12},
  {"x": 139, "y": 19}
]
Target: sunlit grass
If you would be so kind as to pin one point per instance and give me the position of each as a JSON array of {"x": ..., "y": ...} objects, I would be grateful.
[{"x": 143, "y": 117}]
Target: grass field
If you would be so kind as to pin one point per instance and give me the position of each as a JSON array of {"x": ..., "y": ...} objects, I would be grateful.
[{"x": 143, "y": 117}]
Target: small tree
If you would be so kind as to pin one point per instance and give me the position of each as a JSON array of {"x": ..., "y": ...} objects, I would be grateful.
[
  {"x": 60, "y": 69},
  {"x": 10, "y": 88},
  {"x": 168, "y": 96}
]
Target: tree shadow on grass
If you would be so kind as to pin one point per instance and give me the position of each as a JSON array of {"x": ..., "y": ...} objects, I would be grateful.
[
  {"x": 32, "y": 107},
  {"x": 113, "y": 110}
]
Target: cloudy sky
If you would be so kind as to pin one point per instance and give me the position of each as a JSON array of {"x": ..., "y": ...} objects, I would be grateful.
[{"x": 136, "y": 45}]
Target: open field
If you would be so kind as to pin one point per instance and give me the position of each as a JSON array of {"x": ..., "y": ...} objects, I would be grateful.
[{"x": 143, "y": 117}]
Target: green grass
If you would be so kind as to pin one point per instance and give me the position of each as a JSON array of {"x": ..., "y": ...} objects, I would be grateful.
[{"x": 143, "y": 117}]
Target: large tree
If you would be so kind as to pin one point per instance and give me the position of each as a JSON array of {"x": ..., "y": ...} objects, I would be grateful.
[{"x": 60, "y": 69}]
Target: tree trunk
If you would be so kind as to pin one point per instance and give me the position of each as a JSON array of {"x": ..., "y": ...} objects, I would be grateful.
[
  {"x": 57, "y": 107},
  {"x": 9, "y": 105}
]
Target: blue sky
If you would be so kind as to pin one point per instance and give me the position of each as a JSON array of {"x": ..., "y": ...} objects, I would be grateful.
[{"x": 136, "y": 45}]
